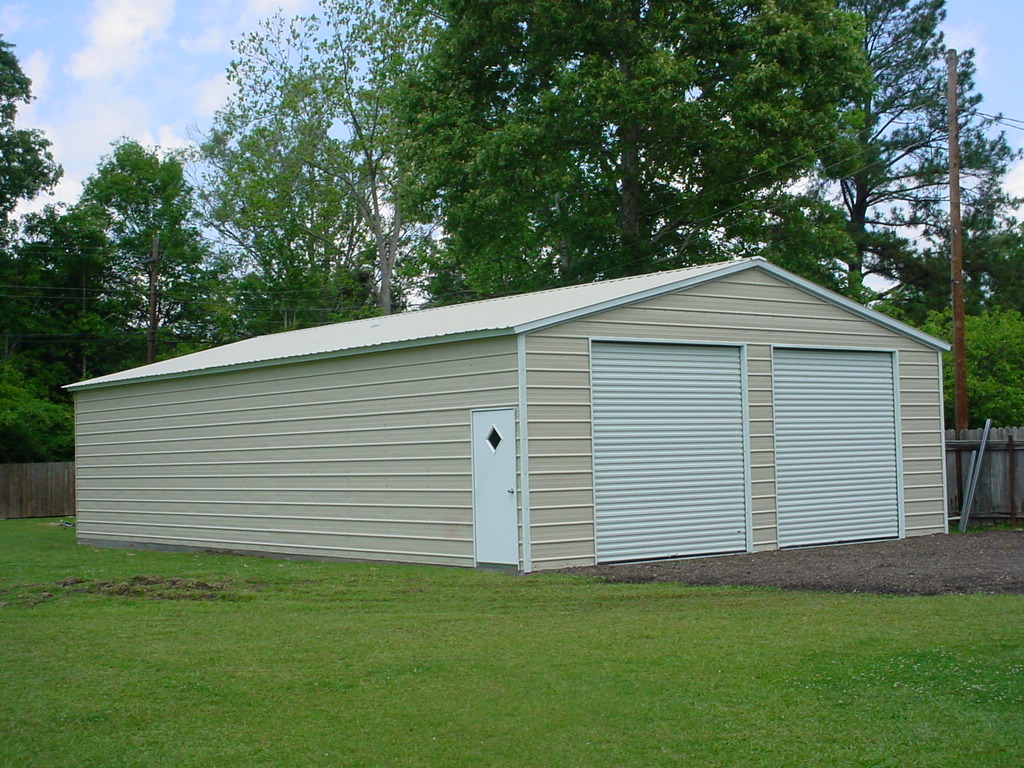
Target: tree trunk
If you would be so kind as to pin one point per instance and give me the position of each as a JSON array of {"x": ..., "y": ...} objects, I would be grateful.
[
  {"x": 630, "y": 195},
  {"x": 388, "y": 259},
  {"x": 857, "y": 208}
]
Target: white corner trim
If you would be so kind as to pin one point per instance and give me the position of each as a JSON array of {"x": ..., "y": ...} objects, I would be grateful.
[{"x": 524, "y": 455}]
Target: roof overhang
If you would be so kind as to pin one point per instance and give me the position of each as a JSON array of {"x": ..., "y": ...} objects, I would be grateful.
[
  {"x": 685, "y": 281},
  {"x": 100, "y": 383}
]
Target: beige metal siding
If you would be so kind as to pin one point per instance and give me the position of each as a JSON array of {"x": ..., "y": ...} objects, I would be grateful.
[
  {"x": 363, "y": 457},
  {"x": 752, "y": 308}
]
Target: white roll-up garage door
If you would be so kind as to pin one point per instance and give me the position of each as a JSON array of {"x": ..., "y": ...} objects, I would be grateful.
[
  {"x": 836, "y": 446},
  {"x": 669, "y": 453}
]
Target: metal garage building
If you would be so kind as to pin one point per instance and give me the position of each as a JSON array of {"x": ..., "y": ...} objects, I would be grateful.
[{"x": 722, "y": 408}]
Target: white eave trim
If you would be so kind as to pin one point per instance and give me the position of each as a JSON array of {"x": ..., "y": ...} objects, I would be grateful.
[
  {"x": 852, "y": 306},
  {"x": 143, "y": 378}
]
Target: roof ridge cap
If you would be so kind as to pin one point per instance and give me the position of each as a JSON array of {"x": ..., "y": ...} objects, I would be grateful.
[{"x": 558, "y": 288}]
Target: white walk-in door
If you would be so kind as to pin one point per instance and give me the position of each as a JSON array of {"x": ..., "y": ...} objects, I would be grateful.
[
  {"x": 495, "y": 514},
  {"x": 836, "y": 446},
  {"x": 670, "y": 473}
]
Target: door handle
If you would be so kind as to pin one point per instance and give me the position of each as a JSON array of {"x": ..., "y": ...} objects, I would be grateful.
[{"x": 511, "y": 490}]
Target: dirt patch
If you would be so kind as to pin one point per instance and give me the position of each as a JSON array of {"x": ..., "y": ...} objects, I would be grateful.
[
  {"x": 986, "y": 561},
  {"x": 140, "y": 587},
  {"x": 153, "y": 587}
]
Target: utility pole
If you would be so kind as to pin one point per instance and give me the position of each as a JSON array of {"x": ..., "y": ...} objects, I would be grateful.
[
  {"x": 960, "y": 405},
  {"x": 151, "y": 333}
]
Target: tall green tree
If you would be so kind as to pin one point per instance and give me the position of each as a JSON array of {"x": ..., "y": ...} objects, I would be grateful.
[
  {"x": 284, "y": 223},
  {"x": 893, "y": 172},
  {"x": 301, "y": 179},
  {"x": 141, "y": 197},
  {"x": 32, "y": 426},
  {"x": 561, "y": 141},
  {"x": 26, "y": 169},
  {"x": 42, "y": 322},
  {"x": 26, "y": 165},
  {"x": 59, "y": 316},
  {"x": 76, "y": 294},
  {"x": 77, "y": 301}
]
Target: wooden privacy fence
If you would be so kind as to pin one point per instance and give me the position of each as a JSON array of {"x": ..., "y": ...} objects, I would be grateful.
[
  {"x": 37, "y": 490},
  {"x": 1000, "y": 492}
]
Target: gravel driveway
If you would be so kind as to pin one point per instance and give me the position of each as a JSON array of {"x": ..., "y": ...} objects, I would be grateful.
[{"x": 984, "y": 561}]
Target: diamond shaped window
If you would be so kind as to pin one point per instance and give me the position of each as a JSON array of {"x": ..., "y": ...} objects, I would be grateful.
[{"x": 494, "y": 438}]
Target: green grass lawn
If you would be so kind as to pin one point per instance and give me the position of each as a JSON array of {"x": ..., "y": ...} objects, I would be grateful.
[{"x": 220, "y": 660}]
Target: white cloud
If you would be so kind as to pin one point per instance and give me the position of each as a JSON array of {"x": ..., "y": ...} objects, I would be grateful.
[
  {"x": 70, "y": 185},
  {"x": 220, "y": 22},
  {"x": 167, "y": 138},
  {"x": 211, "y": 95},
  {"x": 120, "y": 32},
  {"x": 1014, "y": 184},
  {"x": 212, "y": 25},
  {"x": 37, "y": 67},
  {"x": 145, "y": 69},
  {"x": 960, "y": 38},
  {"x": 80, "y": 142},
  {"x": 213, "y": 39},
  {"x": 13, "y": 17},
  {"x": 67, "y": 191},
  {"x": 264, "y": 8}
]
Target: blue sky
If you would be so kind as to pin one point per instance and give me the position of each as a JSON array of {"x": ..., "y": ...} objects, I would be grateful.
[{"x": 153, "y": 70}]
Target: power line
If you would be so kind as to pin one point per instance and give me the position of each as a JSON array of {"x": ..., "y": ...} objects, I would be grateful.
[
  {"x": 770, "y": 209},
  {"x": 221, "y": 304},
  {"x": 1003, "y": 119},
  {"x": 181, "y": 297},
  {"x": 64, "y": 338},
  {"x": 76, "y": 292}
]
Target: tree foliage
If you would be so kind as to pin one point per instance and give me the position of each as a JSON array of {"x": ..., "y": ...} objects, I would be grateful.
[
  {"x": 301, "y": 180},
  {"x": 561, "y": 141},
  {"x": 140, "y": 197},
  {"x": 453, "y": 149},
  {"x": 26, "y": 165},
  {"x": 995, "y": 365},
  {"x": 32, "y": 427},
  {"x": 893, "y": 170},
  {"x": 75, "y": 291},
  {"x": 57, "y": 318}
]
